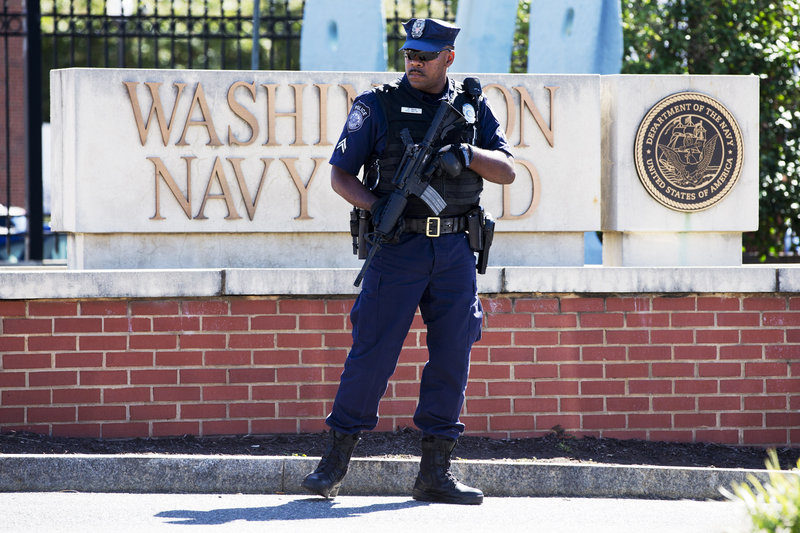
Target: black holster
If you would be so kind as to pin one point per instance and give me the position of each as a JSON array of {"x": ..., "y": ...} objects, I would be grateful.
[
  {"x": 360, "y": 222},
  {"x": 480, "y": 232}
]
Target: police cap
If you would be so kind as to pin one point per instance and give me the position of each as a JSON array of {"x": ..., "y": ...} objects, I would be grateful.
[{"x": 429, "y": 35}]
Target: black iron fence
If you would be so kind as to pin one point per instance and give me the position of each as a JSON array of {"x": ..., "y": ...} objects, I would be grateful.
[
  {"x": 208, "y": 34},
  {"x": 183, "y": 34},
  {"x": 235, "y": 34}
]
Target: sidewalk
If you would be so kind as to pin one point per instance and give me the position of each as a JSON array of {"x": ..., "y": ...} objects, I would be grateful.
[
  {"x": 68, "y": 512},
  {"x": 152, "y": 473}
]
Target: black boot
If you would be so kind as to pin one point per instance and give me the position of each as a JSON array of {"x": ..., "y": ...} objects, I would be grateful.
[
  {"x": 435, "y": 482},
  {"x": 327, "y": 478}
]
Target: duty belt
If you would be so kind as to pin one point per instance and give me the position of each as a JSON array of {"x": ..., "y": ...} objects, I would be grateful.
[{"x": 435, "y": 226}]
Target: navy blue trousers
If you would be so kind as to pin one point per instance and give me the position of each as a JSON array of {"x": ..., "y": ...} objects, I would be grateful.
[{"x": 438, "y": 276}]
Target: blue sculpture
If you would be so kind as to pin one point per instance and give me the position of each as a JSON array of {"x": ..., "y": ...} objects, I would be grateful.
[
  {"x": 575, "y": 37},
  {"x": 343, "y": 35},
  {"x": 487, "y": 35}
]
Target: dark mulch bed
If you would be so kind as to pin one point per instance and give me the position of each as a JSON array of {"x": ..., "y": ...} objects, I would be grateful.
[{"x": 557, "y": 447}]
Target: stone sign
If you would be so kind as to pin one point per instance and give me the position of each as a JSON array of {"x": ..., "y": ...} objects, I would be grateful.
[{"x": 190, "y": 168}]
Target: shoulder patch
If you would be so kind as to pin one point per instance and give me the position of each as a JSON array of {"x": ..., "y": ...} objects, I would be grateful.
[{"x": 358, "y": 115}]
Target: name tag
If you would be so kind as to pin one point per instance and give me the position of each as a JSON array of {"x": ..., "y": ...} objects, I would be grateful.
[{"x": 412, "y": 110}]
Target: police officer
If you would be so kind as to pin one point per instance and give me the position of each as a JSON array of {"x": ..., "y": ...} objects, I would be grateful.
[{"x": 428, "y": 265}]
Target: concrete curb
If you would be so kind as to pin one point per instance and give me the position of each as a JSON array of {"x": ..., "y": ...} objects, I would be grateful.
[
  {"x": 50, "y": 283},
  {"x": 367, "y": 476}
]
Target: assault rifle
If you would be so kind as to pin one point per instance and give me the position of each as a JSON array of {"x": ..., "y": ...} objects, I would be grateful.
[{"x": 413, "y": 176}]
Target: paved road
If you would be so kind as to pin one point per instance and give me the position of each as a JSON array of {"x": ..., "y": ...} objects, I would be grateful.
[{"x": 89, "y": 512}]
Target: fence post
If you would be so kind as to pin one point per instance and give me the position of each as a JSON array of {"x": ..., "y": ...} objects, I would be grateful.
[
  {"x": 254, "y": 53},
  {"x": 34, "y": 121}
]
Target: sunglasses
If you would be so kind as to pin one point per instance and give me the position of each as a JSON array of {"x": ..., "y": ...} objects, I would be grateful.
[{"x": 416, "y": 55}]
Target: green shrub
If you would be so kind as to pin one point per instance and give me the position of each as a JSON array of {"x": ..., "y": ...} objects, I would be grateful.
[{"x": 773, "y": 507}]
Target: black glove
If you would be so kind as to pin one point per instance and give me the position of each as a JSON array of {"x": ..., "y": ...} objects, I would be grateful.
[
  {"x": 462, "y": 150},
  {"x": 377, "y": 209},
  {"x": 454, "y": 158}
]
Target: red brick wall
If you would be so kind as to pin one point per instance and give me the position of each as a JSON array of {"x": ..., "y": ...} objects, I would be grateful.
[{"x": 693, "y": 368}]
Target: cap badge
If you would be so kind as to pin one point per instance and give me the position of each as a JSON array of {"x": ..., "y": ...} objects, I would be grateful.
[{"x": 418, "y": 28}]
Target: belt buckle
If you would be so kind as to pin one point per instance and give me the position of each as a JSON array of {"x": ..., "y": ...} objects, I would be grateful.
[{"x": 433, "y": 226}]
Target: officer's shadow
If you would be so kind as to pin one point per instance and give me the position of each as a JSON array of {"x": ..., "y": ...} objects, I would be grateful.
[{"x": 299, "y": 509}]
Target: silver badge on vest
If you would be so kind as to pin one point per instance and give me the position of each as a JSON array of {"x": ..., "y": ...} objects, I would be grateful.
[{"x": 469, "y": 113}]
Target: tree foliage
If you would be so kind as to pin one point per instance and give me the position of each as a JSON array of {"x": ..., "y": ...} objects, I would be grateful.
[
  {"x": 735, "y": 37},
  {"x": 519, "y": 50}
]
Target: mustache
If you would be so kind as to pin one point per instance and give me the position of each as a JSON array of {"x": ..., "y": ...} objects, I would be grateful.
[{"x": 416, "y": 70}]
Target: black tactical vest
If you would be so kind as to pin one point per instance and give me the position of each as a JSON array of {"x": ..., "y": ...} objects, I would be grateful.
[{"x": 404, "y": 109}]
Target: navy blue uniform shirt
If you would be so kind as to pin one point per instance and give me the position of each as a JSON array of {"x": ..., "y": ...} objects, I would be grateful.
[{"x": 364, "y": 133}]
